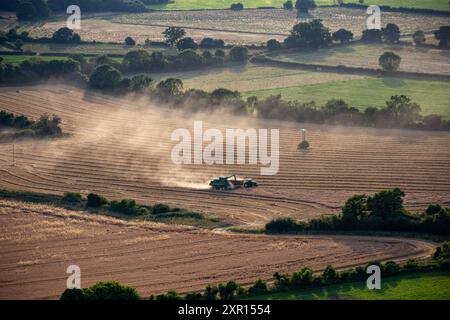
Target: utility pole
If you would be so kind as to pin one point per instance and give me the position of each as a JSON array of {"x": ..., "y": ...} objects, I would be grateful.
[{"x": 14, "y": 155}]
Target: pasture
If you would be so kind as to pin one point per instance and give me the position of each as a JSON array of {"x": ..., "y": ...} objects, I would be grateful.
[
  {"x": 359, "y": 91},
  {"x": 417, "y": 286}
]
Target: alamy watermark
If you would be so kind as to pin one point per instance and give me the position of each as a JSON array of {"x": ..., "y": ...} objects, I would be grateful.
[
  {"x": 207, "y": 147},
  {"x": 74, "y": 280},
  {"x": 74, "y": 20},
  {"x": 374, "y": 19},
  {"x": 374, "y": 280}
]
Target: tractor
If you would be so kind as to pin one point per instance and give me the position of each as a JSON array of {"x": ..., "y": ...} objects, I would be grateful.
[{"x": 231, "y": 182}]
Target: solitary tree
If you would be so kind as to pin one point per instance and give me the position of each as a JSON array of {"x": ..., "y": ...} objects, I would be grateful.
[
  {"x": 173, "y": 34},
  {"x": 303, "y": 6},
  {"x": 389, "y": 61},
  {"x": 343, "y": 35},
  {"x": 311, "y": 34},
  {"x": 65, "y": 35},
  {"x": 391, "y": 33},
  {"x": 419, "y": 38}
]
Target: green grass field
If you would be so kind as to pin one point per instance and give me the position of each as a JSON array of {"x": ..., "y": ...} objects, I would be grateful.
[
  {"x": 220, "y": 4},
  {"x": 94, "y": 48},
  {"x": 359, "y": 91},
  {"x": 16, "y": 59},
  {"x": 432, "y": 96},
  {"x": 419, "y": 286}
]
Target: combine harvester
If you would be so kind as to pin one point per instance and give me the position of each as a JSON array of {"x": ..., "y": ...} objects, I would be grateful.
[{"x": 226, "y": 183}]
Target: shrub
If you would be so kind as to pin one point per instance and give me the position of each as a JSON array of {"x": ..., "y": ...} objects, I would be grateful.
[
  {"x": 343, "y": 35},
  {"x": 391, "y": 33},
  {"x": 211, "y": 43},
  {"x": 65, "y": 35},
  {"x": 330, "y": 275},
  {"x": 282, "y": 225},
  {"x": 389, "y": 61},
  {"x": 219, "y": 53},
  {"x": 169, "y": 296},
  {"x": 128, "y": 207},
  {"x": 72, "y": 198},
  {"x": 105, "y": 77},
  {"x": 371, "y": 35},
  {"x": 102, "y": 291},
  {"x": 239, "y": 54},
  {"x": 288, "y": 5},
  {"x": 186, "y": 43},
  {"x": 129, "y": 41},
  {"x": 391, "y": 268},
  {"x": 94, "y": 200},
  {"x": 273, "y": 44},
  {"x": 160, "y": 208},
  {"x": 419, "y": 37},
  {"x": 237, "y": 6},
  {"x": 259, "y": 287}
]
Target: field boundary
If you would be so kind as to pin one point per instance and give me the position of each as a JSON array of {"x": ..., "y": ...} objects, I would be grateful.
[{"x": 264, "y": 60}]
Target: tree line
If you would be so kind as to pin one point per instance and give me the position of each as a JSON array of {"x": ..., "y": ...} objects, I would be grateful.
[
  {"x": 384, "y": 211},
  {"x": 27, "y": 10},
  {"x": 305, "y": 278},
  {"x": 313, "y": 35}
]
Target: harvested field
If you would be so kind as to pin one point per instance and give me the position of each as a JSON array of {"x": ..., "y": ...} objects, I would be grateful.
[
  {"x": 38, "y": 243},
  {"x": 422, "y": 60},
  {"x": 121, "y": 148},
  {"x": 279, "y": 21},
  {"x": 247, "y": 26},
  {"x": 225, "y": 4},
  {"x": 107, "y": 31}
]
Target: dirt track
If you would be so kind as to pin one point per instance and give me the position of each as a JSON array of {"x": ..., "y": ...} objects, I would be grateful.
[
  {"x": 121, "y": 148},
  {"x": 38, "y": 243}
]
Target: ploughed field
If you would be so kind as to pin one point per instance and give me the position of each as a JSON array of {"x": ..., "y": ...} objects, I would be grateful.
[
  {"x": 38, "y": 243},
  {"x": 121, "y": 148}
]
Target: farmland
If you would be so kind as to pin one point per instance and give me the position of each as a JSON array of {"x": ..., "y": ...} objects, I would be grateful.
[
  {"x": 179, "y": 258},
  {"x": 366, "y": 56},
  {"x": 131, "y": 139},
  {"x": 248, "y": 26},
  {"x": 279, "y": 21},
  {"x": 221, "y": 4},
  {"x": 16, "y": 59},
  {"x": 305, "y": 86},
  {"x": 420, "y": 286}
]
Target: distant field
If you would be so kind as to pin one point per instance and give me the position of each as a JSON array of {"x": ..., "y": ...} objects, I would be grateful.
[
  {"x": 418, "y": 286},
  {"x": 279, "y": 21},
  {"x": 98, "y": 48},
  {"x": 218, "y": 4},
  {"x": 252, "y": 77},
  {"x": 16, "y": 59},
  {"x": 360, "y": 91},
  {"x": 413, "y": 59},
  {"x": 248, "y": 26},
  {"x": 433, "y": 96}
]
